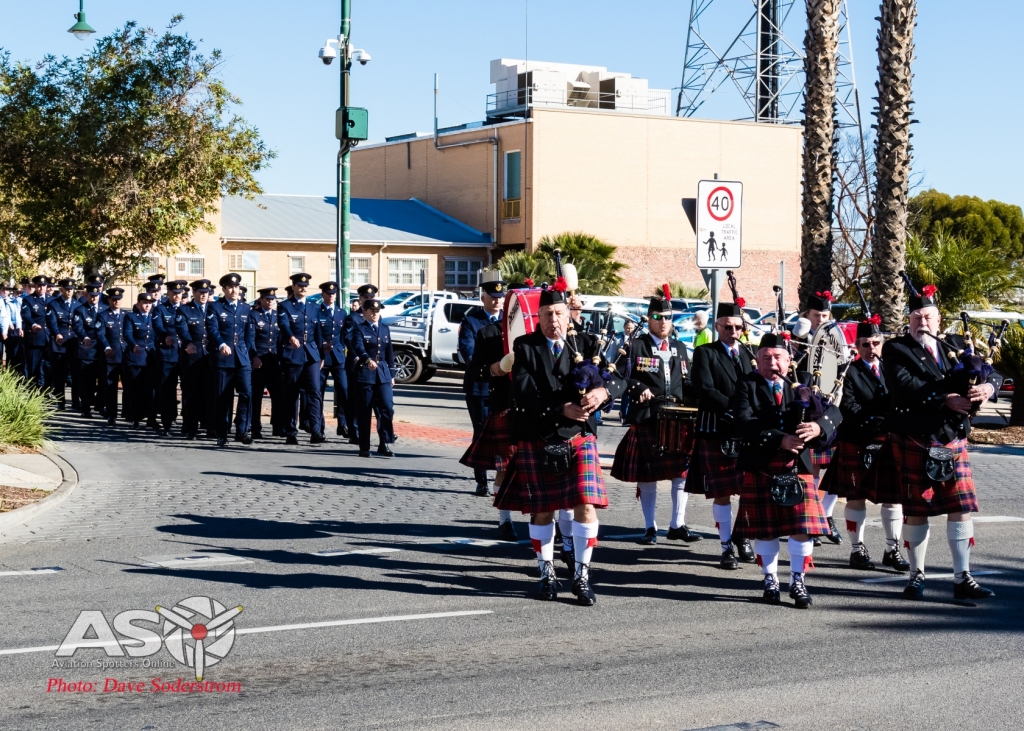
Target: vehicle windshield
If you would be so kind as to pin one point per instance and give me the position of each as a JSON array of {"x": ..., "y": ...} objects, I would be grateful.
[
  {"x": 414, "y": 311},
  {"x": 397, "y": 298}
]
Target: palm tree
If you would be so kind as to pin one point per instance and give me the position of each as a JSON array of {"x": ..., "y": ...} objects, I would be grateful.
[
  {"x": 519, "y": 266},
  {"x": 892, "y": 156},
  {"x": 821, "y": 47},
  {"x": 594, "y": 261},
  {"x": 684, "y": 291},
  {"x": 1010, "y": 362}
]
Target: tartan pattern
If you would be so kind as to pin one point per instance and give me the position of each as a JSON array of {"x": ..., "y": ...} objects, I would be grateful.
[
  {"x": 712, "y": 474},
  {"x": 528, "y": 489},
  {"x": 638, "y": 458},
  {"x": 847, "y": 477},
  {"x": 920, "y": 496},
  {"x": 493, "y": 447},
  {"x": 759, "y": 517},
  {"x": 821, "y": 458}
]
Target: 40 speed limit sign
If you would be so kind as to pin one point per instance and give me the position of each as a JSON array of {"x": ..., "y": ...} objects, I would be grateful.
[{"x": 719, "y": 224}]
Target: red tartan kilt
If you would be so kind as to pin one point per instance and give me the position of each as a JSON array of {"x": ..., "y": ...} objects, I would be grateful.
[
  {"x": 638, "y": 457},
  {"x": 712, "y": 474},
  {"x": 759, "y": 517},
  {"x": 821, "y": 458},
  {"x": 920, "y": 496},
  {"x": 847, "y": 477},
  {"x": 493, "y": 447},
  {"x": 528, "y": 489}
]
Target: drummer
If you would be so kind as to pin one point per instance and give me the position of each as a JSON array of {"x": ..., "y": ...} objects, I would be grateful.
[{"x": 657, "y": 376}]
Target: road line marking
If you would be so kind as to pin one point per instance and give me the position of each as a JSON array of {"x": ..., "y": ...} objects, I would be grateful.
[
  {"x": 190, "y": 559},
  {"x": 876, "y": 522},
  {"x": 33, "y": 572},
  {"x": 276, "y": 628},
  {"x": 332, "y": 553},
  {"x": 904, "y": 577}
]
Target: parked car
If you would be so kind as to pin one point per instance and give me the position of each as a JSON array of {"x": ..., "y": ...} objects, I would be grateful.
[
  {"x": 426, "y": 336},
  {"x": 1006, "y": 389},
  {"x": 399, "y": 302},
  {"x": 636, "y": 306}
]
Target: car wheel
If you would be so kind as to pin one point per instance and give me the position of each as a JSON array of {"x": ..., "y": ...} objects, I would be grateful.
[
  {"x": 428, "y": 373},
  {"x": 408, "y": 367}
]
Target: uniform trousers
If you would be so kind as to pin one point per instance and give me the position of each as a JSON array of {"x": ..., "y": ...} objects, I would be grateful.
[
  {"x": 228, "y": 382},
  {"x": 375, "y": 398},
  {"x": 340, "y": 379},
  {"x": 138, "y": 383},
  {"x": 35, "y": 365},
  {"x": 301, "y": 379},
  {"x": 196, "y": 395},
  {"x": 166, "y": 387},
  {"x": 60, "y": 367},
  {"x": 478, "y": 411},
  {"x": 15, "y": 351},
  {"x": 267, "y": 378},
  {"x": 92, "y": 379},
  {"x": 114, "y": 375}
]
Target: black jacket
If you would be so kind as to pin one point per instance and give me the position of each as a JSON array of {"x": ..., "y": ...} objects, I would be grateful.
[
  {"x": 864, "y": 405},
  {"x": 761, "y": 424},
  {"x": 488, "y": 348},
  {"x": 714, "y": 378},
  {"x": 541, "y": 386},
  {"x": 647, "y": 370}
]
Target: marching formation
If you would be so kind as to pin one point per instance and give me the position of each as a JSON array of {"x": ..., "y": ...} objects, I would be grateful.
[
  {"x": 753, "y": 422},
  {"x": 223, "y": 352}
]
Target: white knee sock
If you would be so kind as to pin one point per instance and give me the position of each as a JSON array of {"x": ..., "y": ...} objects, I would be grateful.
[
  {"x": 723, "y": 521},
  {"x": 799, "y": 556},
  {"x": 584, "y": 539},
  {"x": 961, "y": 537},
  {"x": 679, "y": 499},
  {"x": 565, "y": 526},
  {"x": 542, "y": 538},
  {"x": 892, "y": 524},
  {"x": 855, "y": 526},
  {"x": 504, "y": 516},
  {"x": 767, "y": 555},
  {"x": 915, "y": 538},
  {"x": 828, "y": 502},
  {"x": 648, "y": 502}
]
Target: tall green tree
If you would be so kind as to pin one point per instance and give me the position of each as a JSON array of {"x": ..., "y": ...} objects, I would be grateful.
[
  {"x": 123, "y": 151},
  {"x": 594, "y": 261},
  {"x": 991, "y": 224},
  {"x": 1010, "y": 362},
  {"x": 518, "y": 266}
]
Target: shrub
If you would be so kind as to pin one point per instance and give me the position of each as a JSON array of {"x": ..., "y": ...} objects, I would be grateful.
[{"x": 24, "y": 411}]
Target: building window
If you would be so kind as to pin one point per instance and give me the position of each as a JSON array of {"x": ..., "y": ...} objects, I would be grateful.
[
  {"x": 235, "y": 261},
  {"x": 358, "y": 269},
  {"x": 296, "y": 265},
  {"x": 461, "y": 273},
  {"x": 405, "y": 271},
  {"x": 513, "y": 184},
  {"x": 149, "y": 265},
  {"x": 189, "y": 266}
]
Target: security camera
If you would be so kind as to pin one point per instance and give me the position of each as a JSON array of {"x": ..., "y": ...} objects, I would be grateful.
[
  {"x": 328, "y": 54},
  {"x": 361, "y": 56}
]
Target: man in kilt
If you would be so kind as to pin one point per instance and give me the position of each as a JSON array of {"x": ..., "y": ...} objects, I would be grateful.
[
  {"x": 657, "y": 375},
  {"x": 557, "y": 465},
  {"x": 864, "y": 406},
  {"x": 931, "y": 405},
  {"x": 717, "y": 367},
  {"x": 778, "y": 424}
]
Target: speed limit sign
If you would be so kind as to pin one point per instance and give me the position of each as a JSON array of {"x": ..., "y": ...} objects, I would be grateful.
[{"x": 719, "y": 224}]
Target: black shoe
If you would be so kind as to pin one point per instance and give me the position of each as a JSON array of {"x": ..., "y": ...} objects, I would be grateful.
[
  {"x": 317, "y": 438},
  {"x": 222, "y": 441},
  {"x": 291, "y": 440},
  {"x": 970, "y": 589},
  {"x": 342, "y": 431},
  {"x": 257, "y": 434},
  {"x": 650, "y": 536},
  {"x": 745, "y": 550},
  {"x": 915, "y": 587},
  {"x": 834, "y": 535},
  {"x": 111, "y": 422},
  {"x": 860, "y": 559},
  {"x": 728, "y": 560},
  {"x": 569, "y": 556},
  {"x": 191, "y": 436},
  {"x": 816, "y": 541},
  {"x": 682, "y": 533},
  {"x": 507, "y": 531},
  {"x": 304, "y": 426},
  {"x": 548, "y": 589},
  {"x": 151, "y": 424},
  {"x": 135, "y": 424},
  {"x": 352, "y": 439},
  {"x": 164, "y": 431},
  {"x": 364, "y": 452},
  {"x": 771, "y": 590},
  {"x": 276, "y": 433},
  {"x": 87, "y": 414},
  {"x": 385, "y": 451},
  {"x": 247, "y": 438},
  {"x": 61, "y": 407},
  {"x": 894, "y": 559},
  {"x": 239, "y": 436},
  {"x": 585, "y": 595},
  {"x": 798, "y": 592},
  {"x": 481, "y": 489}
]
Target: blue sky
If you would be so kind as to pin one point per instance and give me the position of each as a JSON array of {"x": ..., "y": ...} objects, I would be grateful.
[{"x": 967, "y": 76}]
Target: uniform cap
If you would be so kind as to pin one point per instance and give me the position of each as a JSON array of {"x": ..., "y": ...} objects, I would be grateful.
[
  {"x": 230, "y": 279},
  {"x": 374, "y": 305},
  {"x": 367, "y": 290},
  {"x": 41, "y": 280},
  {"x": 159, "y": 278},
  {"x": 93, "y": 288},
  {"x": 94, "y": 279},
  {"x": 728, "y": 309},
  {"x": 268, "y": 292},
  {"x": 329, "y": 287},
  {"x": 152, "y": 287},
  {"x": 145, "y": 297},
  {"x": 67, "y": 283},
  {"x": 772, "y": 340},
  {"x": 115, "y": 293},
  {"x": 300, "y": 278}
]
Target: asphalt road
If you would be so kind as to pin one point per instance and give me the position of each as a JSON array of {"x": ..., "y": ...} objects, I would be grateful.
[{"x": 673, "y": 642}]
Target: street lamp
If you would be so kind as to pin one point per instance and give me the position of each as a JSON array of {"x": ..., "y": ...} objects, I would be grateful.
[
  {"x": 81, "y": 30},
  {"x": 350, "y": 126}
]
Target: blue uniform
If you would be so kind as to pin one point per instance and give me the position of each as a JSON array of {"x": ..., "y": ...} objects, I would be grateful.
[
  {"x": 332, "y": 325},
  {"x": 196, "y": 386},
  {"x": 137, "y": 367},
  {"x": 92, "y": 372},
  {"x": 228, "y": 324},
  {"x": 171, "y": 330},
  {"x": 475, "y": 388},
  {"x": 373, "y": 342},
  {"x": 111, "y": 335},
  {"x": 267, "y": 377},
  {"x": 64, "y": 349},
  {"x": 14, "y": 341},
  {"x": 300, "y": 367},
  {"x": 37, "y": 337}
]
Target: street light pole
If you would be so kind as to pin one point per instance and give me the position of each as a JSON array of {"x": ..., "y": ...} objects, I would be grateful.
[{"x": 344, "y": 243}]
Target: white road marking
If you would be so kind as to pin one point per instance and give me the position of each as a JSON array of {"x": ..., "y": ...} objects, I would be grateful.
[
  {"x": 172, "y": 561},
  {"x": 33, "y": 572},
  {"x": 281, "y": 628},
  {"x": 877, "y": 523},
  {"x": 903, "y": 577},
  {"x": 331, "y": 553}
]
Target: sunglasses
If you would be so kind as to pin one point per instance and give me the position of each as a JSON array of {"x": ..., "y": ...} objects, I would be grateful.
[
  {"x": 661, "y": 317},
  {"x": 870, "y": 343},
  {"x": 737, "y": 328}
]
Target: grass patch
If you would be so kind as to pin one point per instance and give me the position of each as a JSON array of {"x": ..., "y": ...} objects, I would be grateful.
[{"x": 24, "y": 410}]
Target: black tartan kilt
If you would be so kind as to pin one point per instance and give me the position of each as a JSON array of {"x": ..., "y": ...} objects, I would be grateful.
[
  {"x": 639, "y": 459},
  {"x": 846, "y": 475},
  {"x": 493, "y": 446},
  {"x": 760, "y": 517},
  {"x": 712, "y": 474}
]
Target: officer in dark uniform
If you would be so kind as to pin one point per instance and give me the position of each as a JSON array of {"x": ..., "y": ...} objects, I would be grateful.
[
  {"x": 300, "y": 360},
  {"x": 266, "y": 366},
  {"x": 374, "y": 366},
  {"x": 365, "y": 292},
  {"x": 91, "y": 371},
  {"x": 139, "y": 358},
  {"x": 476, "y": 384},
  {"x": 172, "y": 333},
  {"x": 230, "y": 334},
  {"x": 196, "y": 389},
  {"x": 154, "y": 285},
  {"x": 37, "y": 335},
  {"x": 63, "y": 343},
  {"x": 332, "y": 326},
  {"x": 111, "y": 336},
  {"x": 243, "y": 291}
]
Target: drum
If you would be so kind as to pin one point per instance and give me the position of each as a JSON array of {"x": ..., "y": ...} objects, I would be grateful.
[
  {"x": 828, "y": 354},
  {"x": 677, "y": 426},
  {"x": 521, "y": 313}
]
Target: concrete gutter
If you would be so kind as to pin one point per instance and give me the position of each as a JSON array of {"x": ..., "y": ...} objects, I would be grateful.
[{"x": 62, "y": 493}]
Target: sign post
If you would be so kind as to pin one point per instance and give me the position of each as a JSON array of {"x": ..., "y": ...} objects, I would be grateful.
[{"x": 719, "y": 229}]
